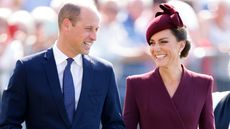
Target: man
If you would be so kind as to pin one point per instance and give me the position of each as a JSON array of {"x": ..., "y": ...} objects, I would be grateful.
[
  {"x": 63, "y": 87},
  {"x": 221, "y": 102}
]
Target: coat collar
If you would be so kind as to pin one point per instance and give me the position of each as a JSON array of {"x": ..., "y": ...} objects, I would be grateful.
[
  {"x": 88, "y": 72},
  {"x": 55, "y": 88},
  {"x": 54, "y": 85}
]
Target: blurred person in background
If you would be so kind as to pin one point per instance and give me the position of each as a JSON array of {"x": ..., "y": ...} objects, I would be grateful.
[
  {"x": 4, "y": 42},
  {"x": 111, "y": 35},
  {"x": 115, "y": 45},
  {"x": 135, "y": 10},
  {"x": 46, "y": 27},
  {"x": 13, "y": 5},
  {"x": 110, "y": 39},
  {"x": 135, "y": 59},
  {"x": 30, "y": 5},
  {"x": 21, "y": 30},
  {"x": 20, "y": 27},
  {"x": 170, "y": 96},
  {"x": 215, "y": 28}
]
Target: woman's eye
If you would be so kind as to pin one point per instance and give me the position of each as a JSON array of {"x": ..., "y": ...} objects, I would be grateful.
[
  {"x": 164, "y": 42},
  {"x": 151, "y": 43}
]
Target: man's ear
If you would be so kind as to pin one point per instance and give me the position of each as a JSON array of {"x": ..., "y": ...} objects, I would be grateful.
[{"x": 66, "y": 24}]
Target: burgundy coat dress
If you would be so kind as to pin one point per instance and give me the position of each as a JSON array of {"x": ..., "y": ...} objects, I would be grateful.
[{"x": 149, "y": 104}]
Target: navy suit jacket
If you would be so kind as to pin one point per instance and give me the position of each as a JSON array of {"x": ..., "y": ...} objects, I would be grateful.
[
  {"x": 222, "y": 113},
  {"x": 34, "y": 95}
]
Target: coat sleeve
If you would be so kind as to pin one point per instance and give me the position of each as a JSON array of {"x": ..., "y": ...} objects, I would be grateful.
[
  {"x": 207, "y": 116},
  {"x": 111, "y": 115},
  {"x": 14, "y": 100},
  {"x": 131, "y": 114}
]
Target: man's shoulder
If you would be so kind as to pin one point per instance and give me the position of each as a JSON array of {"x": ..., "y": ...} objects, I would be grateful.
[
  {"x": 218, "y": 96},
  {"x": 97, "y": 61},
  {"x": 38, "y": 56}
]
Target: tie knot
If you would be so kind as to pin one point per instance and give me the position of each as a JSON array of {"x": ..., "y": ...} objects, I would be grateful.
[{"x": 69, "y": 61}]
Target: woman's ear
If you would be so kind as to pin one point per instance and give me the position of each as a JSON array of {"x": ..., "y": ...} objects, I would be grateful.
[{"x": 182, "y": 45}]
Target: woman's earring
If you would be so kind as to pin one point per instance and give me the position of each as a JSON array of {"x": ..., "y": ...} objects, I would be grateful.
[{"x": 180, "y": 52}]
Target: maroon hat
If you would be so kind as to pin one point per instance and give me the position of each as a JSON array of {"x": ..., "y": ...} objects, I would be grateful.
[{"x": 167, "y": 19}]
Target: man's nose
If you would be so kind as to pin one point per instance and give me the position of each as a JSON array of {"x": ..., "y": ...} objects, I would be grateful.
[{"x": 93, "y": 35}]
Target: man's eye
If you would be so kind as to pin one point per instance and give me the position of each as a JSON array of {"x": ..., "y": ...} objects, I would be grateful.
[{"x": 88, "y": 28}]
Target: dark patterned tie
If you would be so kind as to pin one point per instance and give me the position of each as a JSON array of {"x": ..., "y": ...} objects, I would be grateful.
[{"x": 68, "y": 90}]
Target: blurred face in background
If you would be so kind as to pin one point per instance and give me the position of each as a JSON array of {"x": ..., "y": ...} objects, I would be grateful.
[
  {"x": 135, "y": 8},
  {"x": 109, "y": 10}
]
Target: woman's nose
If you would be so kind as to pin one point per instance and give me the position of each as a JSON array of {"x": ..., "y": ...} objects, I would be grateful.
[{"x": 156, "y": 47}]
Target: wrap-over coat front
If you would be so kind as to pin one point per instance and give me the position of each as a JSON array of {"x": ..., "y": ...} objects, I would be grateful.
[{"x": 149, "y": 104}]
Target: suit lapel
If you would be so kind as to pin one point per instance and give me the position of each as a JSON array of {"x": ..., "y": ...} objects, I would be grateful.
[
  {"x": 87, "y": 75},
  {"x": 55, "y": 88}
]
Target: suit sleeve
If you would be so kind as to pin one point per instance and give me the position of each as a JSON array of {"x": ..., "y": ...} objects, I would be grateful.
[
  {"x": 131, "y": 115},
  {"x": 14, "y": 100},
  {"x": 207, "y": 116},
  {"x": 222, "y": 113},
  {"x": 111, "y": 115}
]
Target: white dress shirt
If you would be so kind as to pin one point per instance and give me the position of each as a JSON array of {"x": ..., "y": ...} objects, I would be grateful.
[{"x": 76, "y": 70}]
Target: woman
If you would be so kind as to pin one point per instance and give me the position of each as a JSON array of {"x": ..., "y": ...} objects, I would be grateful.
[{"x": 171, "y": 96}]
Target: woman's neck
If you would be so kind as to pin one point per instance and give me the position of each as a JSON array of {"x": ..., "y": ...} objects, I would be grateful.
[
  {"x": 171, "y": 78},
  {"x": 171, "y": 74}
]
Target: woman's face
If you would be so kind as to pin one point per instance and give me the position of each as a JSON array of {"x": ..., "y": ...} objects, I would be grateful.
[{"x": 165, "y": 49}]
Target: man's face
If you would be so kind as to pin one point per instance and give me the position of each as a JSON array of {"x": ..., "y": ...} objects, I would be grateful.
[{"x": 81, "y": 35}]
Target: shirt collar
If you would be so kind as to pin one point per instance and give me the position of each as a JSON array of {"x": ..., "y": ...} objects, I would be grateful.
[{"x": 60, "y": 57}]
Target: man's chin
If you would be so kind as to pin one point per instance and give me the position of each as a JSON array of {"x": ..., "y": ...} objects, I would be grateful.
[{"x": 85, "y": 53}]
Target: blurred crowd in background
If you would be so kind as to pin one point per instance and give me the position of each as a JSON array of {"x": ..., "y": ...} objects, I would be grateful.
[{"x": 29, "y": 26}]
